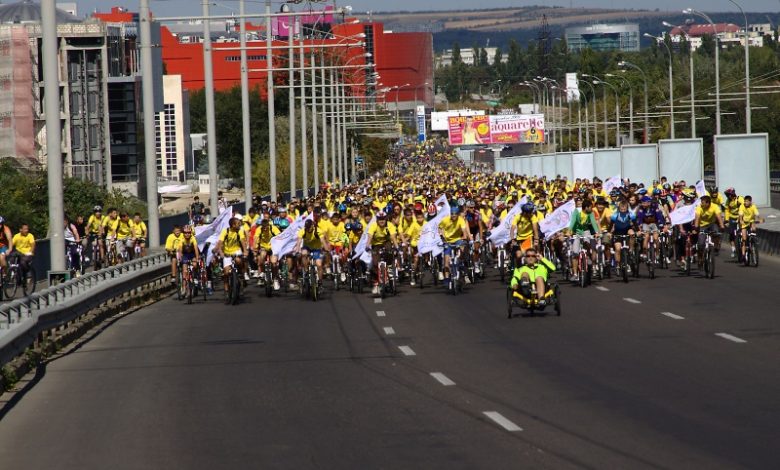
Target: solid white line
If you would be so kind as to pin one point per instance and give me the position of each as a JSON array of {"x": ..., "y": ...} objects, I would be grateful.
[
  {"x": 602, "y": 288},
  {"x": 378, "y": 300},
  {"x": 443, "y": 379},
  {"x": 730, "y": 337},
  {"x": 632, "y": 301},
  {"x": 380, "y": 313},
  {"x": 501, "y": 421},
  {"x": 673, "y": 316},
  {"x": 389, "y": 330},
  {"x": 407, "y": 351}
]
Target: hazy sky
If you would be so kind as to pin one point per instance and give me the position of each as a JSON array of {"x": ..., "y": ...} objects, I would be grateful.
[{"x": 183, "y": 7}]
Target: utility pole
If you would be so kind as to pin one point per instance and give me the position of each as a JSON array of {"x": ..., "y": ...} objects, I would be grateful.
[
  {"x": 314, "y": 137},
  {"x": 271, "y": 105},
  {"x": 245, "y": 111},
  {"x": 211, "y": 130},
  {"x": 304, "y": 143},
  {"x": 291, "y": 28},
  {"x": 150, "y": 150},
  {"x": 53, "y": 133}
]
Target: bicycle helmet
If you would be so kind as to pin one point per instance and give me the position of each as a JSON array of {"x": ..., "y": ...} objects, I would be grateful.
[
  {"x": 97, "y": 209},
  {"x": 528, "y": 208},
  {"x": 342, "y": 208},
  {"x": 461, "y": 202},
  {"x": 389, "y": 207},
  {"x": 642, "y": 191},
  {"x": 2, "y": 220},
  {"x": 730, "y": 192},
  {"x": 357, "y": 226},
  {"x": 432, "y": 209},
  {"x": 646, "y": 199},
  {"x": 656, "y": 192},
  {"x": 470, "y": 203},
  {"x": 667, "y": 187},
  {"x": 283, "y": 223},
  {"x": 454, "y": 210},
  {"x": 381, "y": 215},
  {"x": 348, "y": 227}
]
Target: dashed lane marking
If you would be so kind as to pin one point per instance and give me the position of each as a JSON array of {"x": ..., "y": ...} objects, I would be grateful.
[
  {"x": 672, "y": 316},
  {"x": 499, "y": 419},
  {"x": 378, "y": 300},
  {"x": 443, "y": 379},
  {"x": 632, "y": 301},
  {"x": 602, "y": 288},
  {"x": 407, "y": 351},
  {"x": 731, "y": 337},
  {"x": 380, "y": 313},
  {"x": 389, "y": 330}
]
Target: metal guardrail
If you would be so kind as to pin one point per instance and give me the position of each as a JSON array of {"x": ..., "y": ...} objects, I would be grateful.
[{"x": 21, "y": 321}]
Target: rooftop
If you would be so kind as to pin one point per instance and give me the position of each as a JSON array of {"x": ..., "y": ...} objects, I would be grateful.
[{"x": 28, "y": 11}]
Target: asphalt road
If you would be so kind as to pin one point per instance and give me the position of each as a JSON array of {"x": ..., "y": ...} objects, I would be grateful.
[{"x": 630, "y": 376}]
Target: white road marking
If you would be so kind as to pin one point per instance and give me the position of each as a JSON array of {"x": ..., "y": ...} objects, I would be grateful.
[
  {"x": 501, "y": 421},
  {"x": 443, "y": 379},
  {"x": 407, "y": 351},
  {"x": 602, "y": 288},
  {"x": 380, "y": 313},
  {"x": 632, "y": 301},
  {"x": 378, "y": 300},
  {"x": 672, "y": 315},
  {"x": 730, "y": 337},
  {"x": 389, "y": 330}
]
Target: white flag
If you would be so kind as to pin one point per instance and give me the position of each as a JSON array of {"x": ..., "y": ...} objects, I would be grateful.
[
  {"x": 284, "y": 243},
  {"x": 700, "y": 189},
  {"x": 612, "y": 183},
  {"x": 210, "y": 233},
  {"x": 429, "y": 236},
  {"x": 558, "y": 220},
  {"x": 360, "y": 248},
  {"x": 684, "y": 214},
  {"x": 500, "y": 234}
]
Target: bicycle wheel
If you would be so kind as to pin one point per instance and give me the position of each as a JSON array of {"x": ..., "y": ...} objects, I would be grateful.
[
  {"x": 651, "y": 260},
  {"x": 269, "y": 283},
  {"x": 557, "y": 294},
  {"x": 314, "y": 287},
  {"x": 180, "y": 293},
  {"x": 29, "y": 281},
  {"x": 754, "y": 254},
  {"x": 235, "y": 287},
  {"x": 189, "y": 288},
  {"x": 509, "y": 303},
  {"x": 10, "y": 284}
]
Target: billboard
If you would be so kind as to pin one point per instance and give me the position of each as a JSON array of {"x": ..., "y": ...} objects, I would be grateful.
[
  {"x": 572, "y": 87},
  {"x": 499, "y": 129},
  {"x": 421, "y": 123},
  {"x": 440, "y": 120}
]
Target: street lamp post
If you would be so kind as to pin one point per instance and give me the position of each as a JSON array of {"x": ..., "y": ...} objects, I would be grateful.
[
  {"x": 630, "y": 105},
  {"x": 624, "y": 64},
  {"x": 671, "y": 83},
  {"x": 245, "y": 110},
  {"x": 595, "y": 116},
  {"x": 211, "y": 127},
  {"x": 693, "y": 89},
  {"x": 748, "y": 112},
  {"x": 271, "y": 104},
  {"x": 689, "y": 11}
]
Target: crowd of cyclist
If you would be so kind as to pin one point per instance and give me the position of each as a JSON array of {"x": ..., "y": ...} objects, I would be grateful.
[{"x": 368, "y": 233}]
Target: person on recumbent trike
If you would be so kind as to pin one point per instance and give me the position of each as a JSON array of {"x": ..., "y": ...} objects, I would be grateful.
[{"x": 534, "y": 273}]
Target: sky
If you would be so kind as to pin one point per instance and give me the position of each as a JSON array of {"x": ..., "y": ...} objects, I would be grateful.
[{"x": 193, "y": 7}]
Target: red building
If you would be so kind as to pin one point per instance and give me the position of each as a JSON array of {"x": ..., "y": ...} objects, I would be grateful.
[{"x": 404, "y": 61}]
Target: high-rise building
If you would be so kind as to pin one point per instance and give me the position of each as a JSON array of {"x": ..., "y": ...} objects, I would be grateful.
[{"x": 603, "y": 37}]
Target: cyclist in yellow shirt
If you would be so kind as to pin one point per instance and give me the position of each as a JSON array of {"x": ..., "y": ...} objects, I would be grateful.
[
  {"x": 455, "y": 232},
  {"x": 708, "y": 220},
  {"x": 381, "y": 236},
  {"x": 732, "y": 206},
  {"x": 95, "y": 236},
  {"x": 232, "y": 245},
  {"x": 24, "y": 244},
  {"x": 262, "y": 248},
  {"x": 411, "y": 236},
  {"x": 748, "y": 218},
  {"x": 525, "y": 230},
  {"x": 124, "y": 235},
  {"x": 339, "y": 242},
  {"x": 310, "y": 244},
  {"x": 172, "y": 248},
  {"x": 140, "y": 232}
]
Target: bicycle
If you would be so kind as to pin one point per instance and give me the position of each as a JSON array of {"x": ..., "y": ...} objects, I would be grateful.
[
  {"x": 70, "y": 261},
  {"x": 601, "y": 270},
  {"x": 384, "y": 277},
  {"x": 95, "y": 254},
  {"x": 200, "y": 279},
  {"x": 112, "y": 257},
  {"x": 17, "y": 275},
  {"x": 751, "y": 249},
  {"x": 185, "y": 281},
  {"x": 501, "y": 262},
  {"x": 651, "y": 256},
  {"x": 309, "y": 287},
  {"x": 584, "y": 260},
  {"x": 709, "y": 256},
  {"x": 268, "y": 277},
  {"x": 664, "y": 249},
  {"x": 357, "y": 276},
  {"x": 233, "y": 294},
  {"x": 625, "y": 255},
  {"x": 457, "y": 269}
]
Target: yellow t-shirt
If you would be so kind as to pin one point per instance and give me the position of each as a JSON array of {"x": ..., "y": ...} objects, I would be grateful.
[
  {"x": 379, "y": 235},
  {"x": 110, "y": 226},
  {"x": 311, "y": 240},
  {"x": 139, "y": 229},
  {"x": 354, "y": 238},
  {"x": 604, "y": 218},
  {"x": 453, "y": 230},
  {"x": 93, "y": 224},
  {"x": 188, "y": 245},
  {"x": 232, "y": 241},
  {"x": 263, "y": 237},
  {"x": 124, "y": 229},
  {"x": 336, "y": 233},
  {"x": 733, "y": 207},
  {"x": 24, "y": 244},
  {"x": 172, "y": 242},
  {"x": 413, "y": 232},
  {"x": 749, "y": 216},
  {"x": 708, "y": 217},
  {"x": 525, "y": 226}
]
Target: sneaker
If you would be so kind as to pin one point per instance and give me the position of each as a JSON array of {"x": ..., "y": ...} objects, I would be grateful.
[
  {"x": 256, "y": 274},
  {"x": 542, "y": 302},
  {"x": 210, "y": 291},
  {"x": 293, "y": 286},
  {"x": 467, "y": 280},
  {"x": 574, "y": 279},
  {"x": 246, "y": 276},
  {"x": 260, "y": 282},
  {"x": 412, "y": 283},
  {"x": 476, "y": 269},
  {"x": 375, "y": 290},
  {"x": 277, "y": 286},
  {"x": 343, "y": 277},
  {"x": 733, "y": 253},
  {"x": 441, "y": 276}
]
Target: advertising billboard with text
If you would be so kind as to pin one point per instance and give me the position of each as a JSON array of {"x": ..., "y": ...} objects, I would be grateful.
[{"x": 499, "y": 129}]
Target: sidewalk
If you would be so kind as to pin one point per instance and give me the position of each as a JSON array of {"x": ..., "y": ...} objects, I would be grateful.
[{"x": 769, "y": 231}]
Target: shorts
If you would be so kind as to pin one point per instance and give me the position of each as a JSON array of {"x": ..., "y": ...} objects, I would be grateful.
[
  {"x": 606, "y": 239},
  {"x": 228, "y": 260},
  {"x": 449, "y": 246},
  {"x": 652, "y": 228},
  {"x": 187, "y": 257},
  {"x": 526, "y": 243},
  {"x": 315, "y": 254},
  {"x": 3, "y": 250},
  {"x": 576, "y": 245}
]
